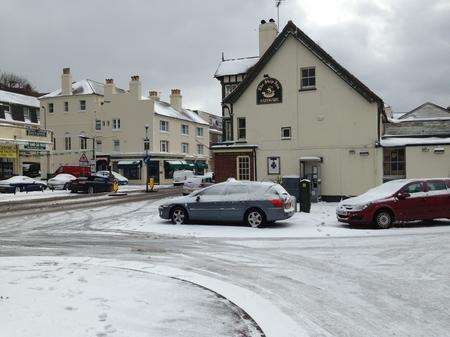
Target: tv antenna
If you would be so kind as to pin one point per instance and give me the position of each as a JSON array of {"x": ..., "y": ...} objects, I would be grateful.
[{"x": 277, "y": 5}]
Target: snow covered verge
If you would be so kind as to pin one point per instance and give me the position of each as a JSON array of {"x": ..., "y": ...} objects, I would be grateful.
[
  {"x": 321, "y": 222},
  {"x": 55, "y": 296}
]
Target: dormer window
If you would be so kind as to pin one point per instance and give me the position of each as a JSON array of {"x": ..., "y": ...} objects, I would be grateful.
[{"x": 308, "y": 78}]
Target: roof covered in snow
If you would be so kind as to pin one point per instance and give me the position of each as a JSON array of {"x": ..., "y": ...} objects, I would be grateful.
[
  {"x": 405, "y": 141},
  {"x": 426, "y": 111},
  {"x": 13, "y": 98},
  {"x": 235, "y": 66},
  {"x": 83, "y": 87},
  {"x": 165, "y": 109}
]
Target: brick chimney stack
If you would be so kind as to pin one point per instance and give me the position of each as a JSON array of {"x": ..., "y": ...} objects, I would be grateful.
[
  {"x": 176, "y": 99},
  {"x": 66, "y": 82},
  {"x": 153, "y": 95}
]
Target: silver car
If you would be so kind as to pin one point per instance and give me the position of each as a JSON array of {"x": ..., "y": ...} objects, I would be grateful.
[{"x": 254, "y": 203}]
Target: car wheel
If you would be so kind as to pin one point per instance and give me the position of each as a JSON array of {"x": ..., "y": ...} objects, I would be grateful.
[
  {"x": 254, "y": 218},
  {"x": 384, "y": 219},
  {"x": 91, "y": 190},
  {"x": 17, "y": 190},
  {"x": 178, "y": 216}
]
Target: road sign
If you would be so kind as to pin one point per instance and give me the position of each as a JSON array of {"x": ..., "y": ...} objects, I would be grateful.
[
  {"x": 147, "y": 159},
  {"x": 84, "y": 161}
]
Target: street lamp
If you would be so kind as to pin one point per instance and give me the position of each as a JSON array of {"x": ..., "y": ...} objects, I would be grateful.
[
  {"x": 83, "y": 136},
  {"x": 147, "y": 157}
]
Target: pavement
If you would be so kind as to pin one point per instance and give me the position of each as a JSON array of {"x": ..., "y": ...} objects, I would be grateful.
[{"x": 388, "y": 283}]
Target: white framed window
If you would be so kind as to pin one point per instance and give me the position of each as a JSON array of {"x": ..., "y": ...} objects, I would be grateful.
[
  {"x": 51, "y": 107},
  {"x": 243, "y": 167},
  {"x": 286, "y": 132},
  {"x": 242, "y": 128},
  {"x": 199, "y": 132},
  {"x": 200, "y": 149},
  {"x": 83, "y": 143},
  {"x": 98, "y": 124},
  {"x": 82, "y": 105},
  {"x": 308, "y": 78},
  {"x": 66, "y": 106},
  {"x": 184, "y": 129},
  {"x": 116, "y": 124},
  {"x": 98, "y": 145},
  {"x": 164, "y": 146},
  {"x": 164, "y": 126},
  {"x": 184, "y": 147},
  {"x": 67, "y": 143},
  {"x": 116, "y": 145}
]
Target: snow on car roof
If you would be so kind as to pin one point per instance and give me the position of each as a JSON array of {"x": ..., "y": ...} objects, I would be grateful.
[
  {"x": 12, "y": 97},
  {"x": 17, "y": 179}
]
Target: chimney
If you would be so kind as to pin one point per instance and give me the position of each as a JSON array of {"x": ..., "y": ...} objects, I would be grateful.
[
  {"x": 110, "y": 89},
  {"x": 175, "y": 99},
  {"x": 153, "y": 95},
  {"x": 267, "y": 34},
  {"x": 66, "y": 82},
  {"x": 135, "y": 87}
]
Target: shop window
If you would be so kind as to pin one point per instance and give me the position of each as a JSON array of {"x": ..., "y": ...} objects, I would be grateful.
[
  {"x": 6, "y": 168},
  {"x": 32, "y": 170},
  {"x": 132, "y": 172},
  {"x": 394, "y": 165},
  {"x": 242, "y": 128},
  {"x": 286, "y": 133},
  {"x": 243, "y": 168},
  {"x": 308, "y": 78}
]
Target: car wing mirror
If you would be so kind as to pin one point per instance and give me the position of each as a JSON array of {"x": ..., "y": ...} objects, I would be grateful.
[
  {"x": 197, "y": 198},
  {"x": 403, "y": 195}
]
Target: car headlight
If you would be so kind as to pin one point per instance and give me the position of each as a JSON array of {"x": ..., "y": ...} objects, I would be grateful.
[{"x": 360, "y": 207}]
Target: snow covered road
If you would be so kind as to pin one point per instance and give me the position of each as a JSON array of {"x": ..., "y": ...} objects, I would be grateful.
[{"x": 324, "y": 278}]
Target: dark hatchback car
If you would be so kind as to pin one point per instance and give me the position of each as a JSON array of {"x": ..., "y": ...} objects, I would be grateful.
[
  {"x": 398, "y": 201},
  {"x": 21, "y": 184},
  {"x": 93, "y": 184}
]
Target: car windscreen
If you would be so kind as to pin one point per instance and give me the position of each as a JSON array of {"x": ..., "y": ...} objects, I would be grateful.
[{"x": 218, "y": 189}]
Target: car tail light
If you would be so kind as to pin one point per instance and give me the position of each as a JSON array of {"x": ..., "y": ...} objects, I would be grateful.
[{"x": 277, "y": 202}]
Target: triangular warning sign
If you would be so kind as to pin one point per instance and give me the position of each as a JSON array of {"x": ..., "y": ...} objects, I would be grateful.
[{"x": 83, "y": 158}]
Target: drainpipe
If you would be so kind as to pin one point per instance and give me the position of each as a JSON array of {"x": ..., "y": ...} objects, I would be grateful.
[{"x": 255, "y": 172}]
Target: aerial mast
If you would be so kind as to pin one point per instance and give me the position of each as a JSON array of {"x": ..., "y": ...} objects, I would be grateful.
[{"x": 277, "y": 5}]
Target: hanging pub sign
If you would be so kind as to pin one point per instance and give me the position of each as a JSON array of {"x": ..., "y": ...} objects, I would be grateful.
[{"x": 269, "y": 91}]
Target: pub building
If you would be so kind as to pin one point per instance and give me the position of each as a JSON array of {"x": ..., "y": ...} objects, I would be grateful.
[{"x": 24, "y": 145}]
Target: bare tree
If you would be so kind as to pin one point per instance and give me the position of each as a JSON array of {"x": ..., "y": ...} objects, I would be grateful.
[{"x": 15, "y": 83}]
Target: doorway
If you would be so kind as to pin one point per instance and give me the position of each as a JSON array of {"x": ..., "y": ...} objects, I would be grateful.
[
  {"x": 154, "y": 170},
  {"x": 310, "y": 168}
]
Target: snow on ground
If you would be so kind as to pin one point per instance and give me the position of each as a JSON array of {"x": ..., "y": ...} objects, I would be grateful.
[
  {"x": 82, "y": 297},
  {"x": 321, "y": 222},
  {"x": 6, "y": 197}
]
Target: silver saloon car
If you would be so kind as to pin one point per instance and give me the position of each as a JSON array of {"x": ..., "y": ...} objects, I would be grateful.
[{"x": 254, "y": 203}]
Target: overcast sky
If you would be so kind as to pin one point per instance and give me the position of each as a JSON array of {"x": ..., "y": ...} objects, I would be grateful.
[{"x": 399, "y": 48}]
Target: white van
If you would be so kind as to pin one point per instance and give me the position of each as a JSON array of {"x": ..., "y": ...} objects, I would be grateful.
[{"x": 180, "y": 176}]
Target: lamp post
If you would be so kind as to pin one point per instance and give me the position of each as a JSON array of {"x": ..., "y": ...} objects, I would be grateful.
[
  {"x": 83, "y": 136},
  {"x": 147, "y": 157}
]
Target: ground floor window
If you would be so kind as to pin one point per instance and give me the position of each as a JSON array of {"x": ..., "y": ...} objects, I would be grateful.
[
  {"x": 243, "y": 168},
  {"x": 132, "y": 172},
  {"x": 6, "y": 168},
  {"x": 31, "y": 170},
  {"x": 394, "y": 164}
]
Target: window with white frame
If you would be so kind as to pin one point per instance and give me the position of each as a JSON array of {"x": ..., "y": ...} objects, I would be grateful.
[
  {"x": 200, "y": 149},
  {"x": 83, "y": 143},
  {"x": 98, "y": 145},
  {"x": 184, "y": 129},
  {"x": 308, "y": 78},
  {"x": 82, "y": 105},
  {"x": 164, "y": 146},
  {"x": 243, "y": 168},
  {"x": 66, "y": 106},
  {"x": 184, "y": 147},
  {"x": 199, "y": 132},
  {"x": 51, "y": 107},
  {"x": 116, "y": 145},
  {"x": 242, "y": 128},
  {"x": 98, "y": 124},
  {"x": 286, "y": 132},
  {"x": 164, "y": 126},
  {"x": 116, "y": 124},
  {"x": 67, "y": 143}
]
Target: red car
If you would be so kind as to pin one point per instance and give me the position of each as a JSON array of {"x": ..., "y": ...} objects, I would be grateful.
[
  {"x": 398, "y": 201},
  {"x": 77, "y": 171}
]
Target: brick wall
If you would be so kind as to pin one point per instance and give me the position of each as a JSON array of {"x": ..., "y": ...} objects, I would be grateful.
[{"x": 225, "y": 165}]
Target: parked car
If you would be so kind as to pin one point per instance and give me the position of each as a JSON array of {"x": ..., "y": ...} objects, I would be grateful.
[
  {"x": 94, "y": 184},
  {"x": 254, "y": 203},
  {"x": 398, "y": 201},
  {"x": 77, "y": 171},
  {"x": 196, "y": 183},
  {"x": 60, "y": 181},
  {"x": 21, "y": 184},
  {"x": 180, "y": 176},
  {"x": 120, "y": 178}
]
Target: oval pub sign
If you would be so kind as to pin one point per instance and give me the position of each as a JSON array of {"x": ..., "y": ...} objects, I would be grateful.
[{"x": 269, "y": 91}]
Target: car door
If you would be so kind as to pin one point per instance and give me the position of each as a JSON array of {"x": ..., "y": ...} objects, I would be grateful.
[
  {"x": 235, "y": 202},
  {"x": 414, "y": 206},
  {"x": 207, "y": 204},
  {"x": 438, "y": 199}
]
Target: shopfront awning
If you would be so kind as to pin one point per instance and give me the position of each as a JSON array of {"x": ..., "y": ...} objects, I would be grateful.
[{"x": 129, "y": 163}]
